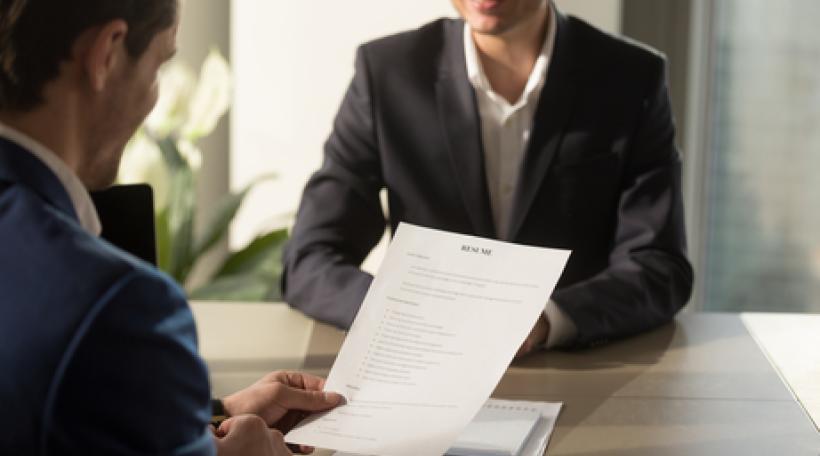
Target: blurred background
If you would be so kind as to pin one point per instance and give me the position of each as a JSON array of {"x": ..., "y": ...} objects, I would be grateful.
[{"x": 745, "y": 85}]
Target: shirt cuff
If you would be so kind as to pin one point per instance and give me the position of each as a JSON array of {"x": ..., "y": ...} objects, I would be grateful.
[{"x": 562, "y": 328}]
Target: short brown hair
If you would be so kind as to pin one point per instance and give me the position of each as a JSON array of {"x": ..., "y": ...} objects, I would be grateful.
[{"x": 37, "y": 35}]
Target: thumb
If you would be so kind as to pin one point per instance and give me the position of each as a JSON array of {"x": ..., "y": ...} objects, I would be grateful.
[
  {"x": 309, "y": 401},
  {"x": 225, "y": 427},
  {"x": 240, "y": 424}
]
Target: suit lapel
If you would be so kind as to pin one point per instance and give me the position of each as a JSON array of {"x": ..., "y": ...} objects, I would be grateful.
[
  {"x": 458, "y": 110},
  {"x": 549, "y": 123}
]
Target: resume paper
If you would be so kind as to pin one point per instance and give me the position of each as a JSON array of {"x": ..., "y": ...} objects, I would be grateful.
[{"x": 440, "y": 323}]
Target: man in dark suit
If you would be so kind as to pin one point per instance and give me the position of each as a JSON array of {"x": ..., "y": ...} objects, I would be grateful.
[
  {"x": 517, "y": 123},
  {"x": 99, "y": 352}
]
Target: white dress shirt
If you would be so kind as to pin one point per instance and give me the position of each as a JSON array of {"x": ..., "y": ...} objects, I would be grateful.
[
  {"x": 80, "y": 199},
  {"x": 505, "y": 132}
]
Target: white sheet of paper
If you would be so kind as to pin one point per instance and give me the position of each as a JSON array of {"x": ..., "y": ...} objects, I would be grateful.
[{"x": 439, "y": 326}]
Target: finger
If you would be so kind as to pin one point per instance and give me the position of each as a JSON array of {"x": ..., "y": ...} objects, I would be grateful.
[
  {"x": 300, "y": 449},
  {"x": 225, "y": 427},
  {"x": 276, "y": 376},
  {"x": 525, "y": 348},
  {"x": 276, "y": 436},
  {"x": 278, "y": 442},
  {"x": 312, "y": 401},
  {"x": 290, "y": 420},
  {"x": 304, "y": 381},
  {"x": 241, "y": 424}
]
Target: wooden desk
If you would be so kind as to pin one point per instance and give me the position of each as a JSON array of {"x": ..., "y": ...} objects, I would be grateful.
[{"x": 699, "y": 386}]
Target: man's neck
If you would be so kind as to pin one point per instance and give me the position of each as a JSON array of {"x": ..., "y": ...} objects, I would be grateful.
[
  {"x": 508, "y": 58},
  {"x": 52, "y": 129}
]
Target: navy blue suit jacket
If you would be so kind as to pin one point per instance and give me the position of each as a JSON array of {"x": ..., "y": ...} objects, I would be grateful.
[{"x": 99, "y": 351}]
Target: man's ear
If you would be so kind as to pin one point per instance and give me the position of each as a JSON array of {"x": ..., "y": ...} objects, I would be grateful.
[{"x": 105, "y": 51}]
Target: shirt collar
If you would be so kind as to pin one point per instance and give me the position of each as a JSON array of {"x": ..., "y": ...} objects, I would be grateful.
[
  {"x": 80, "y": 199},
  {"x": 475, "y": 71}
]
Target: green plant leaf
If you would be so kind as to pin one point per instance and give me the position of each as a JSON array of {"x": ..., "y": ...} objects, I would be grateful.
[
  {"x": 163, "y": 240},
  {"x": 263, "y": 254},
  {"x": 180, "y": 212},
  {"x": 219, "y": 225},
  {"x": 251, "y": 274},
  {"x": 170, "y": 153}
]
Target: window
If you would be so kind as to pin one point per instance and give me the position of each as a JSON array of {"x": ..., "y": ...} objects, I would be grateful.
[{"x": 760, "y": 228}]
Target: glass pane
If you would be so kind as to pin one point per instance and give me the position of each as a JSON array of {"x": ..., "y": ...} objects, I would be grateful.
[{"x": 763, "y": 227}]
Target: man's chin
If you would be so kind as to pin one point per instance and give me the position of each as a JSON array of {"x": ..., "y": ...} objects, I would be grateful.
[
  {"x": 102, "y": 173},
  {"x": 491, "y": 27},
  {"x": 97, "y": 186},
  {"x": 99, "y": 181}
]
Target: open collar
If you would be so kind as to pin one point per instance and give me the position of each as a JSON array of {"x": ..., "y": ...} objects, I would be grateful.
[{"x": 18, "y": 166}]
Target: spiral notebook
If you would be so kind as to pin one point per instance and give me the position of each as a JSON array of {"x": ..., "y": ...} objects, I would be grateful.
[
  {"x": 506, "y": 428},
  {"x": 497, "y": 430}
]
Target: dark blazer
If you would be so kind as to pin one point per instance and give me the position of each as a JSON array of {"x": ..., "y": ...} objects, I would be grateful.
[
  {"x": 99, "y": 351},
  {"x": 601, "y": 176}
]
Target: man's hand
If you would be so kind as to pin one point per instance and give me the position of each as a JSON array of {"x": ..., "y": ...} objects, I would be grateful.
[
  {"x": 282, "y": 399},
  {"x": 248, "y": 435},
  {"x": 537, "y": 337}
]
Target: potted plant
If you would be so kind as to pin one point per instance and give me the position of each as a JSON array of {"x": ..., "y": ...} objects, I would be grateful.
[{"x": 164, "y": 153}]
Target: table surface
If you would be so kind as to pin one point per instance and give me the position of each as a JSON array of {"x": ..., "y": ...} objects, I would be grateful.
[{"x": 706, "y": 384}]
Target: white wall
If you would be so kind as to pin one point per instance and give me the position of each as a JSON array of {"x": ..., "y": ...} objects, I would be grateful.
[
  {"x": 293, "y": 62},
  {"x": 605, "y": 14}
]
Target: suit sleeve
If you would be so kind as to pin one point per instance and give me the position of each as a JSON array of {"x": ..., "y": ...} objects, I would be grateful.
[
  {"x": 649, "y": 277},
  {"x": 340, "y": 218},
  {"x": 131, "y": 382}
]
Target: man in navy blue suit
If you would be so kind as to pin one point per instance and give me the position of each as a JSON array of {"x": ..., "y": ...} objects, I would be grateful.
[{"x": 99, "y": 352}]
